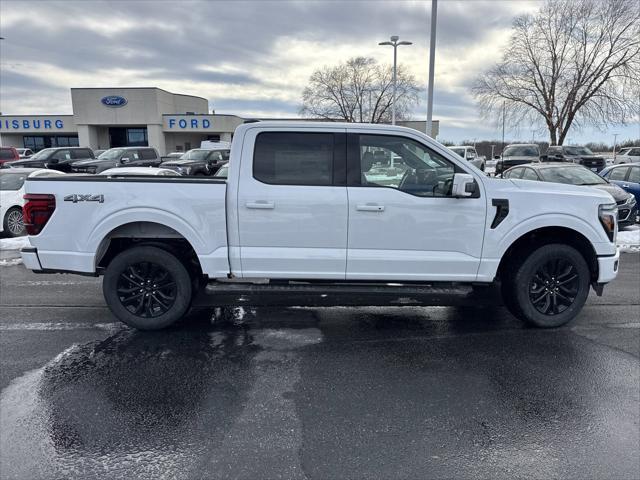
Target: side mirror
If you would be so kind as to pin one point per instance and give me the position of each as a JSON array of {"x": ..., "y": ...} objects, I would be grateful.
[
  {"x": 125, "y": 160},
  {"x": 496, "y": 157},
  {"x": 544, "y": 158},
  {"x": 464, "y": 185},
  {"x": 470, "y": 157},
  {"x": 53, "y": 161}
]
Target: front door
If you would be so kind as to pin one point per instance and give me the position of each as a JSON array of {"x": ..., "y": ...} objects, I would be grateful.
[
  {"x": 292, "y": 206},
  {"x": 404, "y": 224}
]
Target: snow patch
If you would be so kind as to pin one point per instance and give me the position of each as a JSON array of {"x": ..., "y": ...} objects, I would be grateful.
[
  {"x": 14, "y": 243},
  {"x": 10, "y": 262},
  {"x": 629, "y": 239}
]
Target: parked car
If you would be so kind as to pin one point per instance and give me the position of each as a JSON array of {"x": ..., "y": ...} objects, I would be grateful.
[
  {"x": 580, "y": 155},
  {"x": 470, "y": 155},
  {"x": 24, "y": 152},
  {"x": 198, "y": 162},
  {"x": 517, "y": 154},
  {"x": 628, "y": 155},
  {"x": 59, "y": 158},
  {"x": 626, "y": 177},
  {"x": 223, "y": 171},
  {"x": 578, "y": 175},
  {"x": 139, "y": 171},
  {"x": 11, "y": 193},
  {"x": 119, "y": 156},
  {"x": 8, "y": 155},
  {"x": 298, "y": 214}
]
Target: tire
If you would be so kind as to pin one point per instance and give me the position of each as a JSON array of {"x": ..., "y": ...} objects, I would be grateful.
[
  {"x": 552, "y": 304},
  {"x": 13, "y": 222},
  {"x": 147, "y": 288}
]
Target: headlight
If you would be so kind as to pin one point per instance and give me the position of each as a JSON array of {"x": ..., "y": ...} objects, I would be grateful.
[
  {"x": 92, "y": 169},
  {"x": 607, "y": 213},
  {"x": 631, "y": 200}
]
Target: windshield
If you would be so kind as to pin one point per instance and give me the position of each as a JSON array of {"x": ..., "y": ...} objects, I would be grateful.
[
  {"x": 521, "y": 151},
  {"x": 12, "y": 181},
  {"x": 571, "y": 175},
  {"x": 112, "y": 154},
  {"x": 459, "y": 151},
  {"x": 42, "y": 154},
  {"x": 578, "y": 151},
  {"x": 195, "y": 155}
]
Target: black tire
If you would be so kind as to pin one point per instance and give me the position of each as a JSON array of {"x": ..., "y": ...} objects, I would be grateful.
[
  {"x": 13, "y": 222},
  {"x": 154, "y": 275},
  {"x": 549, "y": 287}
]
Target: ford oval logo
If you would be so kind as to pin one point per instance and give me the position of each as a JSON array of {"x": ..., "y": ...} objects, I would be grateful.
[{"x": 114, "y": 101}]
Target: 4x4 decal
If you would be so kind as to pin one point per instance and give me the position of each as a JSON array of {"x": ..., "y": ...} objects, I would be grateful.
[{"x": 81, "y": 197}]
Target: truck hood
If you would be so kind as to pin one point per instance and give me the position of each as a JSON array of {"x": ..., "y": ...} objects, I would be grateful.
[
  {"x": 180, "y": 163},
  {"x": 93, "y": 161}
]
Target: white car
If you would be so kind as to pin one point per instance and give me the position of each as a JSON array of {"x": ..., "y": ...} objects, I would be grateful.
[
  {"x": 24, "y": 152},
  {"x": 300, "y": 214},
  {"x": 11, "y": 201},
  {"x": 137, "y": 171},
  {"x": 628, "y": 155}
]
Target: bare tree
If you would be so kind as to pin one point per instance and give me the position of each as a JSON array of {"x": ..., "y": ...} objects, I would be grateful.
[
  {"x": 573, "y": 63},
  {"x": 358, "y": 90}
]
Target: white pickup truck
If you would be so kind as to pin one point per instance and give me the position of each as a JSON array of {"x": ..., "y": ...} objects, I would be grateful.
[{"x": 301, "y": 212}]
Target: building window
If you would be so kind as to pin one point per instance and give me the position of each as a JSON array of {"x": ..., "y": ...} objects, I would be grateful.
[
  {"x": 137, "y": 137},
  {"x": 39, "y": 142}
]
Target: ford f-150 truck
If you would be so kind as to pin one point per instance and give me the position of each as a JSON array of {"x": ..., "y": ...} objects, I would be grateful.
[{"x": 302, "y": 212}]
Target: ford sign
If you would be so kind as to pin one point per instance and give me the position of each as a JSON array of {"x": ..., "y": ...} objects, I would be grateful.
[{"x": 114, "y": 101}]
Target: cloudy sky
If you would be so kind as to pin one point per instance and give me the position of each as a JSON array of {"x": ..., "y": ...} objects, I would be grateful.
[{"x": 251, "y": 58}]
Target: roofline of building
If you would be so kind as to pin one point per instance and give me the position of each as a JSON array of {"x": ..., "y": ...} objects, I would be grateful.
[{"x": 140, "y": 88}]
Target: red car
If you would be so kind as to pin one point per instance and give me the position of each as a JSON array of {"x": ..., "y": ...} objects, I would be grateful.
[{"x": 8, "y": 154}]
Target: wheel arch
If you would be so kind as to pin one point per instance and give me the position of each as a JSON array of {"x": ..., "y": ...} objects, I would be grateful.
[{"x": 546, "y": 235}]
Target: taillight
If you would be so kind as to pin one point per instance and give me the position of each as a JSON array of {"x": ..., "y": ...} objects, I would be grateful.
[{"x": 37, "y": 211}]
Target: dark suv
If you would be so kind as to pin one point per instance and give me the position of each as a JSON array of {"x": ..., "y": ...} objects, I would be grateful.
[
  {"x": 198, "y": 161},
  {"x": 59, "y": 158},
  {"x": 119, "y": 157},
  {"x": 580, "y": 155}
]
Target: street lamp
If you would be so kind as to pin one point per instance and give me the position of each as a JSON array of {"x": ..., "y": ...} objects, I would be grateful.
[
  {"x": 615, "y": 137},
  {"x": 395, "y": 44}
]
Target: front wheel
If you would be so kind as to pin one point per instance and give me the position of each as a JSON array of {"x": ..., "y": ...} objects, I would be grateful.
[
  {"x": 549, "y": 287},
  {"x": 147, "y": 288}
]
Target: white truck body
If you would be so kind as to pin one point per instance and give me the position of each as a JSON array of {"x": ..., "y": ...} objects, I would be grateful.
[{"x": 245, "y": 228}]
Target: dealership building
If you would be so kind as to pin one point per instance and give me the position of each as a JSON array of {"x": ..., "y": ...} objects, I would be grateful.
[{"x": 117, "y": 117}]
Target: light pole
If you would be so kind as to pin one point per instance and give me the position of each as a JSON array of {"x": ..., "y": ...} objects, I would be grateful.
[
  {"x": 615, "y": 137},
  {"x": 395, "y": 44},
  {"x": 432, "y": 61}
]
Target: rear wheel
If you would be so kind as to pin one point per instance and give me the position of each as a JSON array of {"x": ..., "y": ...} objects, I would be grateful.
[
  {"x": 549, "y": 287},
  {"x": 147, "y": 288},
  {"x": 14, "y": 222}
]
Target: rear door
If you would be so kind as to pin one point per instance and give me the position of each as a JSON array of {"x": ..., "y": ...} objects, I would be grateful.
[
  {"x": 403, "y": 222},
  {"x": 292, "y": 204}
]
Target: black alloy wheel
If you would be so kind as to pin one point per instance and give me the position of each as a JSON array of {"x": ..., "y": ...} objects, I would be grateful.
[
  {"x": 147, "y": 289},
  {"x": 554, "y": 286}
]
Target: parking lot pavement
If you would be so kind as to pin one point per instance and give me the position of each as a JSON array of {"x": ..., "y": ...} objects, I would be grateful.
[{"x": 315, "y": 392}]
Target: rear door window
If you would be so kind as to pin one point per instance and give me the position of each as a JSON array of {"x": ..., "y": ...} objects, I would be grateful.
[
  {"x": 294, "y": 158},
  {"x": 634, "y": 175},
  {"x": 147, "y": 154},
  {"x": 619, "y": 173},
  {"x": 529, "y": 174}
]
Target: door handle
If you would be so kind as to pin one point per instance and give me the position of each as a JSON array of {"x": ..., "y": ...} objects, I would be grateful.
[
  {"x": 261, "y": 205},
  {"x": 625, "y": 185},
  {"x": 370, "y": 207}
]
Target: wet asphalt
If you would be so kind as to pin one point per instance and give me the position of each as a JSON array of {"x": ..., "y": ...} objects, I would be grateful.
[{"x": 319, "y": 393}]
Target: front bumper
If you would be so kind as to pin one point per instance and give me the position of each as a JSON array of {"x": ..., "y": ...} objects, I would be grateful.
[
  {"x": 30, "y": 258},
  {"x": 608, "y": 267}
]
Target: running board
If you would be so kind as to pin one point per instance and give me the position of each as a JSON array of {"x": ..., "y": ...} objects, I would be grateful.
[{"x": 348, "y": 294}]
